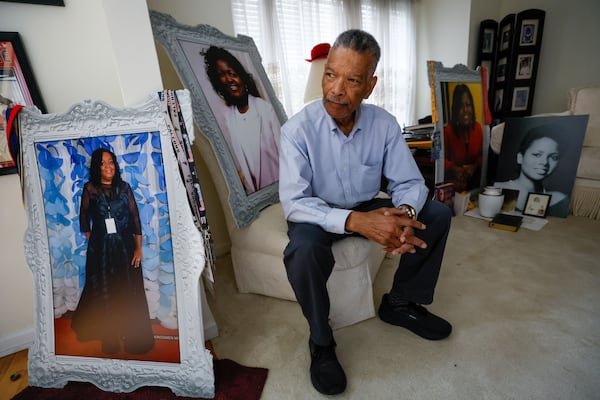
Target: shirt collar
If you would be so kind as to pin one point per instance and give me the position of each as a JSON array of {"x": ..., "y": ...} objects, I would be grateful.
[{"x": 358, "y": 122}]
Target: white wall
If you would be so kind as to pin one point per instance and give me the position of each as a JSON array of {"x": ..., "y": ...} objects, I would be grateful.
[
  {"x": 195, "y": 12},
  {"x": 443, "y": 35},
  {"x": 569, "y": 55},
  {"x": 16, "y": 305}
]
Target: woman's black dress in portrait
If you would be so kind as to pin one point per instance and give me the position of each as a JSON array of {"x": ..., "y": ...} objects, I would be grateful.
[{"x": 113, "y": 305}]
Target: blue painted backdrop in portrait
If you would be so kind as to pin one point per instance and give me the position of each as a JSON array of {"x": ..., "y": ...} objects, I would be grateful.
[{"x": 64, "y": 169}]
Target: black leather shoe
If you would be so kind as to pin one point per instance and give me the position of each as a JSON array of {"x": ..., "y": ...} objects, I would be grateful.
[
  {"x": 415, "y": 318},
  {"x": 326, "y": 373}
]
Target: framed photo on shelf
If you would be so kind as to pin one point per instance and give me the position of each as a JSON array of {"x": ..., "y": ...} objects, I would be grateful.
[
  {"x": 520, "y": 99},
  {"x": 197, "y": 53},
  {"x": 524, "y": 68},
  {"x": 529, "y": 28},
  {"x": 17, "y": 86},
  {"x": 537, "y": 204}
]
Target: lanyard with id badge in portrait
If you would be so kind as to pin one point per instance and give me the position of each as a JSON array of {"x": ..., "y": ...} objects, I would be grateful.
[{"x": 111, "y": 227}]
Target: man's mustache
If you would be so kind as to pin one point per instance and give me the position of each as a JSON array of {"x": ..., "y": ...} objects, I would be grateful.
[{"x": 336, "y": 100}]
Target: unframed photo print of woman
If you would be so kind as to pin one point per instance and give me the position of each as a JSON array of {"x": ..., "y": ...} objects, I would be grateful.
[{"x": 541, "y": 155}]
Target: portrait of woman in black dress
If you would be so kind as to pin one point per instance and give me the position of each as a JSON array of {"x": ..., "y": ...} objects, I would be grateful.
[{"x": 113, "y": 307}]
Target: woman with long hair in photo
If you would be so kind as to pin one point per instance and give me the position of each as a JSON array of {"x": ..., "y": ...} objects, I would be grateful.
[
  {"x": 463, "y": 143},
  {"x": 113, "y": 307}
]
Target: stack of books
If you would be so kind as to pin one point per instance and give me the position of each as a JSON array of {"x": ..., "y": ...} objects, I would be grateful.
[{"x": 418, "y": 132}]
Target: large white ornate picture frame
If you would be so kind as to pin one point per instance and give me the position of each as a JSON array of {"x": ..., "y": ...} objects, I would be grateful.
[
  {"x": 187, "y": 47},
  {"x": 55, "y": 163},
  {"x": 444, "y": 81}
]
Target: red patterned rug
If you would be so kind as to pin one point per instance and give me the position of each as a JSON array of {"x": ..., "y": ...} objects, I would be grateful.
[{"x": 232, "y": 382}]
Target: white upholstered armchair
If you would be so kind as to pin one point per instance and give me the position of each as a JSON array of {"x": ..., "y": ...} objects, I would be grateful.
[{"x": 257, "y": 257}]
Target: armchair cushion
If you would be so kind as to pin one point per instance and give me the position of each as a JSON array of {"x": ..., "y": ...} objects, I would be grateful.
[
  {"x": 587, "y": 101},
  {"x": 589, "y": 163}
]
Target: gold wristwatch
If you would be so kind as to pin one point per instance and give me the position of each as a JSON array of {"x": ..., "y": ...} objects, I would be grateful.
[{"x": 409, "y": 210}]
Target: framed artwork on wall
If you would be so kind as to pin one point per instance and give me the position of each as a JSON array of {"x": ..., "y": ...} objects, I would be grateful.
[
  {"x": 460, "y": 109},
  {"x": 242, "y": 120},
  {"x": 117, "y": 328},
  {"x": 17, "y": 86}
]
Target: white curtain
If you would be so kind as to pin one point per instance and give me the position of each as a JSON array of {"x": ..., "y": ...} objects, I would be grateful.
[{"x": 285, "y": 31}]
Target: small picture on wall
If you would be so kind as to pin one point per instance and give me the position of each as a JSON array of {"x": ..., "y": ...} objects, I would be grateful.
[
  {"x": 501, "y": 70},
  {"x": 528, "y": 32},
  {"x": 488, "y": 40},
  {"x": 524, "y": 66},
  {"x": 520, "y": 99},
  {"x": 505, "y": 37}
]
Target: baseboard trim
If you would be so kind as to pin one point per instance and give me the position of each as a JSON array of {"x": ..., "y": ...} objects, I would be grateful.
[{"x": 16, "y": 341}]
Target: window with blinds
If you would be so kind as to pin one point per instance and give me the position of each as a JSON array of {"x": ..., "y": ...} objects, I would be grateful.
[{"x": 285, "y": 31}]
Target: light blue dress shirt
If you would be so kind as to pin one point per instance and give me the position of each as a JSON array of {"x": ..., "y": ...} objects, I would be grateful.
[{"x": 323, "y": 173}]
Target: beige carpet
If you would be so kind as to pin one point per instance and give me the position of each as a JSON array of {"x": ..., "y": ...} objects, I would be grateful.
[{"x": 525, "y": 307}]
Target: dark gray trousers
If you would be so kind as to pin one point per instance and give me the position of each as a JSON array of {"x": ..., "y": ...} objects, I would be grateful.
[{"x": 309, "y": 261}]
